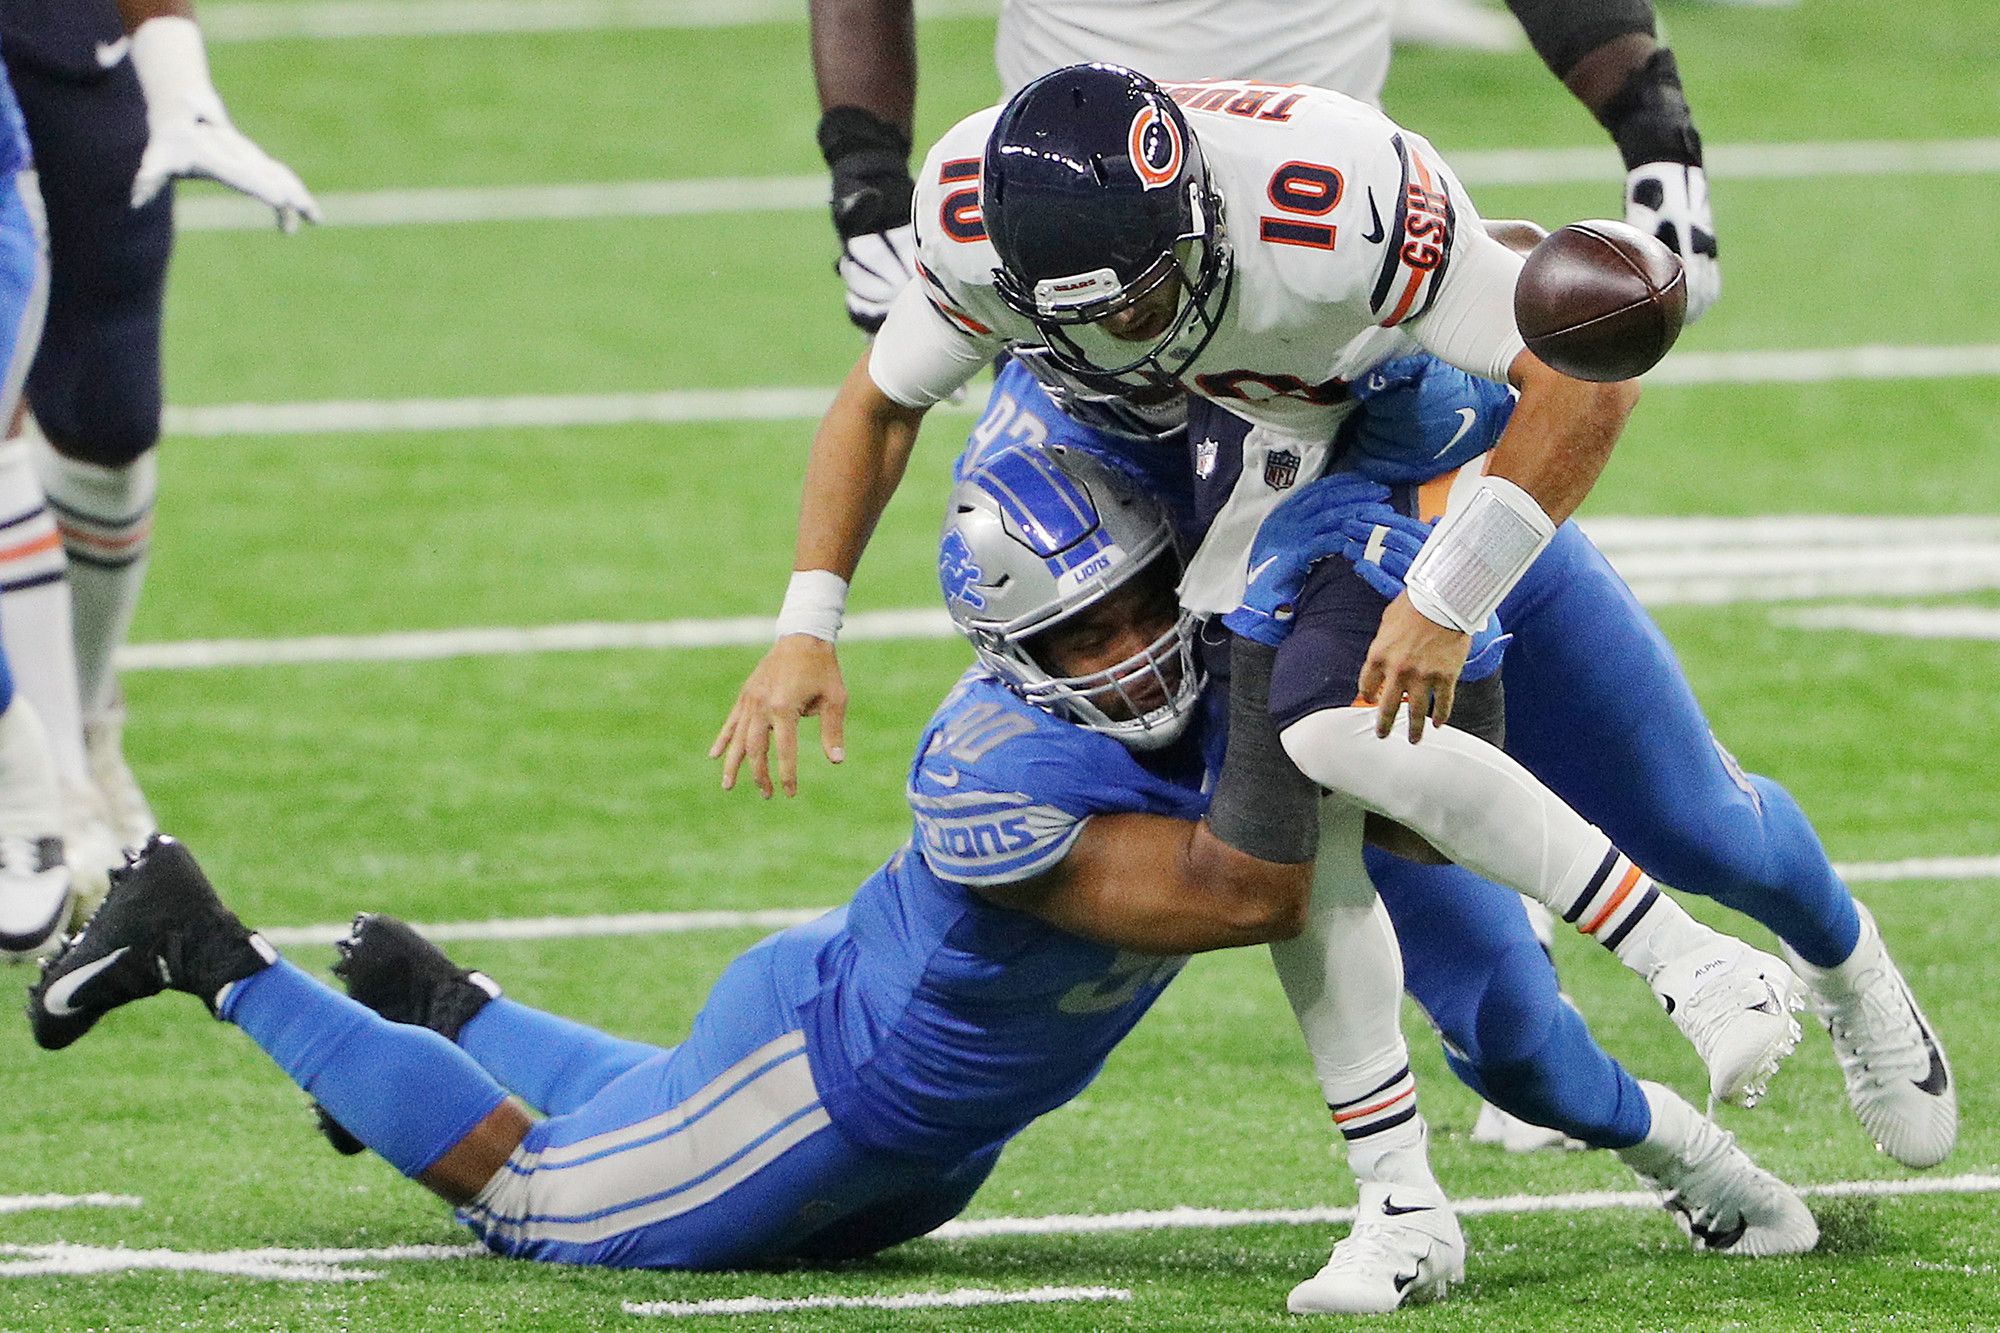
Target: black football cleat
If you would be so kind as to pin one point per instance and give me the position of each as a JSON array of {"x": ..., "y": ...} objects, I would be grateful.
[
  {"x": 161, "y": 928},
  {"x": 402, "y": 976}
]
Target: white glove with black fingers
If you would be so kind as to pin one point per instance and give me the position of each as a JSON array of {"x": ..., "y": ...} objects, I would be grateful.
[
  {"x": 1670, "y": 200},
  {"x": 189, "y": 132},
  {"x": 876, "y": 266}
]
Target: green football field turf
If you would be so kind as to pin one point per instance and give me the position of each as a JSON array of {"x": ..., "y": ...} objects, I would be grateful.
[{"x": 561, "y": 784}]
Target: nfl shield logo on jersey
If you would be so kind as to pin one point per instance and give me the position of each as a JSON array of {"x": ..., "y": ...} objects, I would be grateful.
[
  {"x": 1281, "y": 469},
  {"x": 1204, "y": 458}
]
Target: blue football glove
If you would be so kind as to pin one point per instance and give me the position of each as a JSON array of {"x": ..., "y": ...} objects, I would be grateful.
[
  {"x": 1381, "y": 553},
  {"x": 1321, "y": 520}
]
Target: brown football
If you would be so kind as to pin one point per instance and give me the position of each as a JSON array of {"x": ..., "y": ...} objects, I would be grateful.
[{"x": 1600, "y": 300}]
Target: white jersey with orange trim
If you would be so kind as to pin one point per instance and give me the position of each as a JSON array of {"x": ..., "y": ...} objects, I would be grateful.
[
  {"x": 1338, "y": 44},
  {"x": 1350, "y": 238}
]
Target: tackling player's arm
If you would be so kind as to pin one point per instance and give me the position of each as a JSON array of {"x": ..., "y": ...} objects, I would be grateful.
[
  {"x": 857, "y": 460},
  {"x": 1547, "y": 459},
  {"x": 1158, "y": 885},
  {"x": 188, "y": 132},
  {"x": 1607, "y": 54}
]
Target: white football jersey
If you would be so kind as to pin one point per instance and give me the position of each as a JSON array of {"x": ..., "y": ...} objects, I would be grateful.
[
  {"x": 1350, "y": 239},
  {"x": 1337, "y": 44}
]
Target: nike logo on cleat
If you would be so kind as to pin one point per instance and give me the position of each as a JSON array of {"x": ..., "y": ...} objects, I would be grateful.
[
  {"x": 1391, "y": 1209},
  {"x": 1403, "y": 1281},
  {"x": 56, "y": 999},
  {"x": 1763, "y": 1006},
  {"x": 1936, "y": 1080},
  {"x": 1719, "y": 1240}
]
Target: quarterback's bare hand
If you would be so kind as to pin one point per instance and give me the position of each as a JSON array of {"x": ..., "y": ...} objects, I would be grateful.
[
  {"x": 799, "y": 677},
  {"x": 1412, "y": 656}
]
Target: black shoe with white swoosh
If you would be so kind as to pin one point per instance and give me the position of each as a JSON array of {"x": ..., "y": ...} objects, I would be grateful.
[{"x": 161, "y": 928}]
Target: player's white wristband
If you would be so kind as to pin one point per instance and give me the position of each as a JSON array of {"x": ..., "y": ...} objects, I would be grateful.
[
  {"x": 815, "y": 603},
  {"x": 172, "y": 65},
  {"x": 1477, "y": 555}
]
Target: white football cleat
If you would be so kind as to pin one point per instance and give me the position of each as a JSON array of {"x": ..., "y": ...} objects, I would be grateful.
[
  {"x": 1725, "y": 1202},
  {"x": 34, "y": 896},
  {"x": 1737, "y": 1006},
  {"x": 1514, "y": 1134},
  {"x": 1898, "y": 1080},
  {"x": 124, "y": 804},
  {"x": 1405, "y": 1246}
]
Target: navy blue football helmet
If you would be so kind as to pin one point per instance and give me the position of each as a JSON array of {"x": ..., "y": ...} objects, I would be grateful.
[{"x": 1096, "y": 197}]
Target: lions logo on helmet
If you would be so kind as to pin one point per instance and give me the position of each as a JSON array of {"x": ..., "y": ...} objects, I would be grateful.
[
  {"x": 1096, "y": 197},
  {"x": 1034, "y": 538}
]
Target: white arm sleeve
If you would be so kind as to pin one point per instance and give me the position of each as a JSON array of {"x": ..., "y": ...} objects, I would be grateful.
[
  {"x": 920, "y": 356},
  {"x": 1471, "y": 322}
]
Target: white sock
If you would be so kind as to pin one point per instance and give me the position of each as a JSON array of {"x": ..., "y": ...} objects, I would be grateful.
[
  {"x": 30, "y": 803},
  {"x": 1344, "y": 978},
  {"x": 1673, "y": 1122},
  {"x": 34, "y": 610},
  {"x": 1490, "y": 815},
  {"x": 106, "y": 519}
]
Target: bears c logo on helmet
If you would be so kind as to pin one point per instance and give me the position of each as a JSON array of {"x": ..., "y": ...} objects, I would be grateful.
[{"x": 1155, "y": 145}]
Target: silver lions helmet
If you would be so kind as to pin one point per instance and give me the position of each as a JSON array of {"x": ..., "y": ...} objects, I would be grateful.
[{"x": 1049, "y": 555}]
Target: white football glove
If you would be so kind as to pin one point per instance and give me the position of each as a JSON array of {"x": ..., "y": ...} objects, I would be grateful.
[
  {"x": 1670, "y": 201},
  {"x": 876, "y": 266},
  {"x": 189, "y": 134}
]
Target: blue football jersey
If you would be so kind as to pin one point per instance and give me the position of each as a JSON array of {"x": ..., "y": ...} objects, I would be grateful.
[
  {"x": 939, "y": 1023},
  {"x": 1019, "y": 411},
  {"x": 14, "y": 153}
]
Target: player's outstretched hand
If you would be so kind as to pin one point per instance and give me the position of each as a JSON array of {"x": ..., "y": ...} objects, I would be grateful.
[
  {"x": 1670, "y": 201},
  {"x": 188, "y": 133},
  {"x": 799, "y": 677},
  {"x": 1415, "y": 657},
  {"x": 876, "y": 266}
]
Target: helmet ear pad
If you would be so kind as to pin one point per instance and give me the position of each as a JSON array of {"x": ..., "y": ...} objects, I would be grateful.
[{"x": 1094, "y": 191}]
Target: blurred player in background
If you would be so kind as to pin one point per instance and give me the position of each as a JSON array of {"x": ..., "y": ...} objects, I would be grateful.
[
  {"x": 1606, "y": 52},
  {"x": 850, "y": 1082},
  {"x": 118, "y": 103},
  {"x": 35, "y": 883}
]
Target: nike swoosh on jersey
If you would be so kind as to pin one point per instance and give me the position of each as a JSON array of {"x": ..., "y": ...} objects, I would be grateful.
[
  {"x": 943, "y": 777},
  {"x": 1467, "y": 418},
  {"x": 1375, "y": 232},
  {"x": 56, "y": 999},
  {"x": 110, "y": 53}
]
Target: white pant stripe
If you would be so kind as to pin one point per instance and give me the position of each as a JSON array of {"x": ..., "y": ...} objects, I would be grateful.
[
  {"x": 791, "y": 1044},
  {"x": 645, "y": 1182}
]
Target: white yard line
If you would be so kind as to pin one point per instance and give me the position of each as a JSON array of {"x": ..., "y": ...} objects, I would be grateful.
[
  {"x": 567, "y": 927},
  {"x": 319, "y": 19},
  {"x": 587, "y": 636},
  {"x": 697, "y": 196},
  {"x": 1668, "y": 561},
  {"x": 31, "y": 1203},
  {"x": 958, "y": 1299},
  {"x": 1929, "y": 869},
  {"x": 366, "y": 416},
  {"x": 1202, "y": 1219},
  {"x": 1914, "y": 622},
  {"x": 331, "y": 1265}
]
